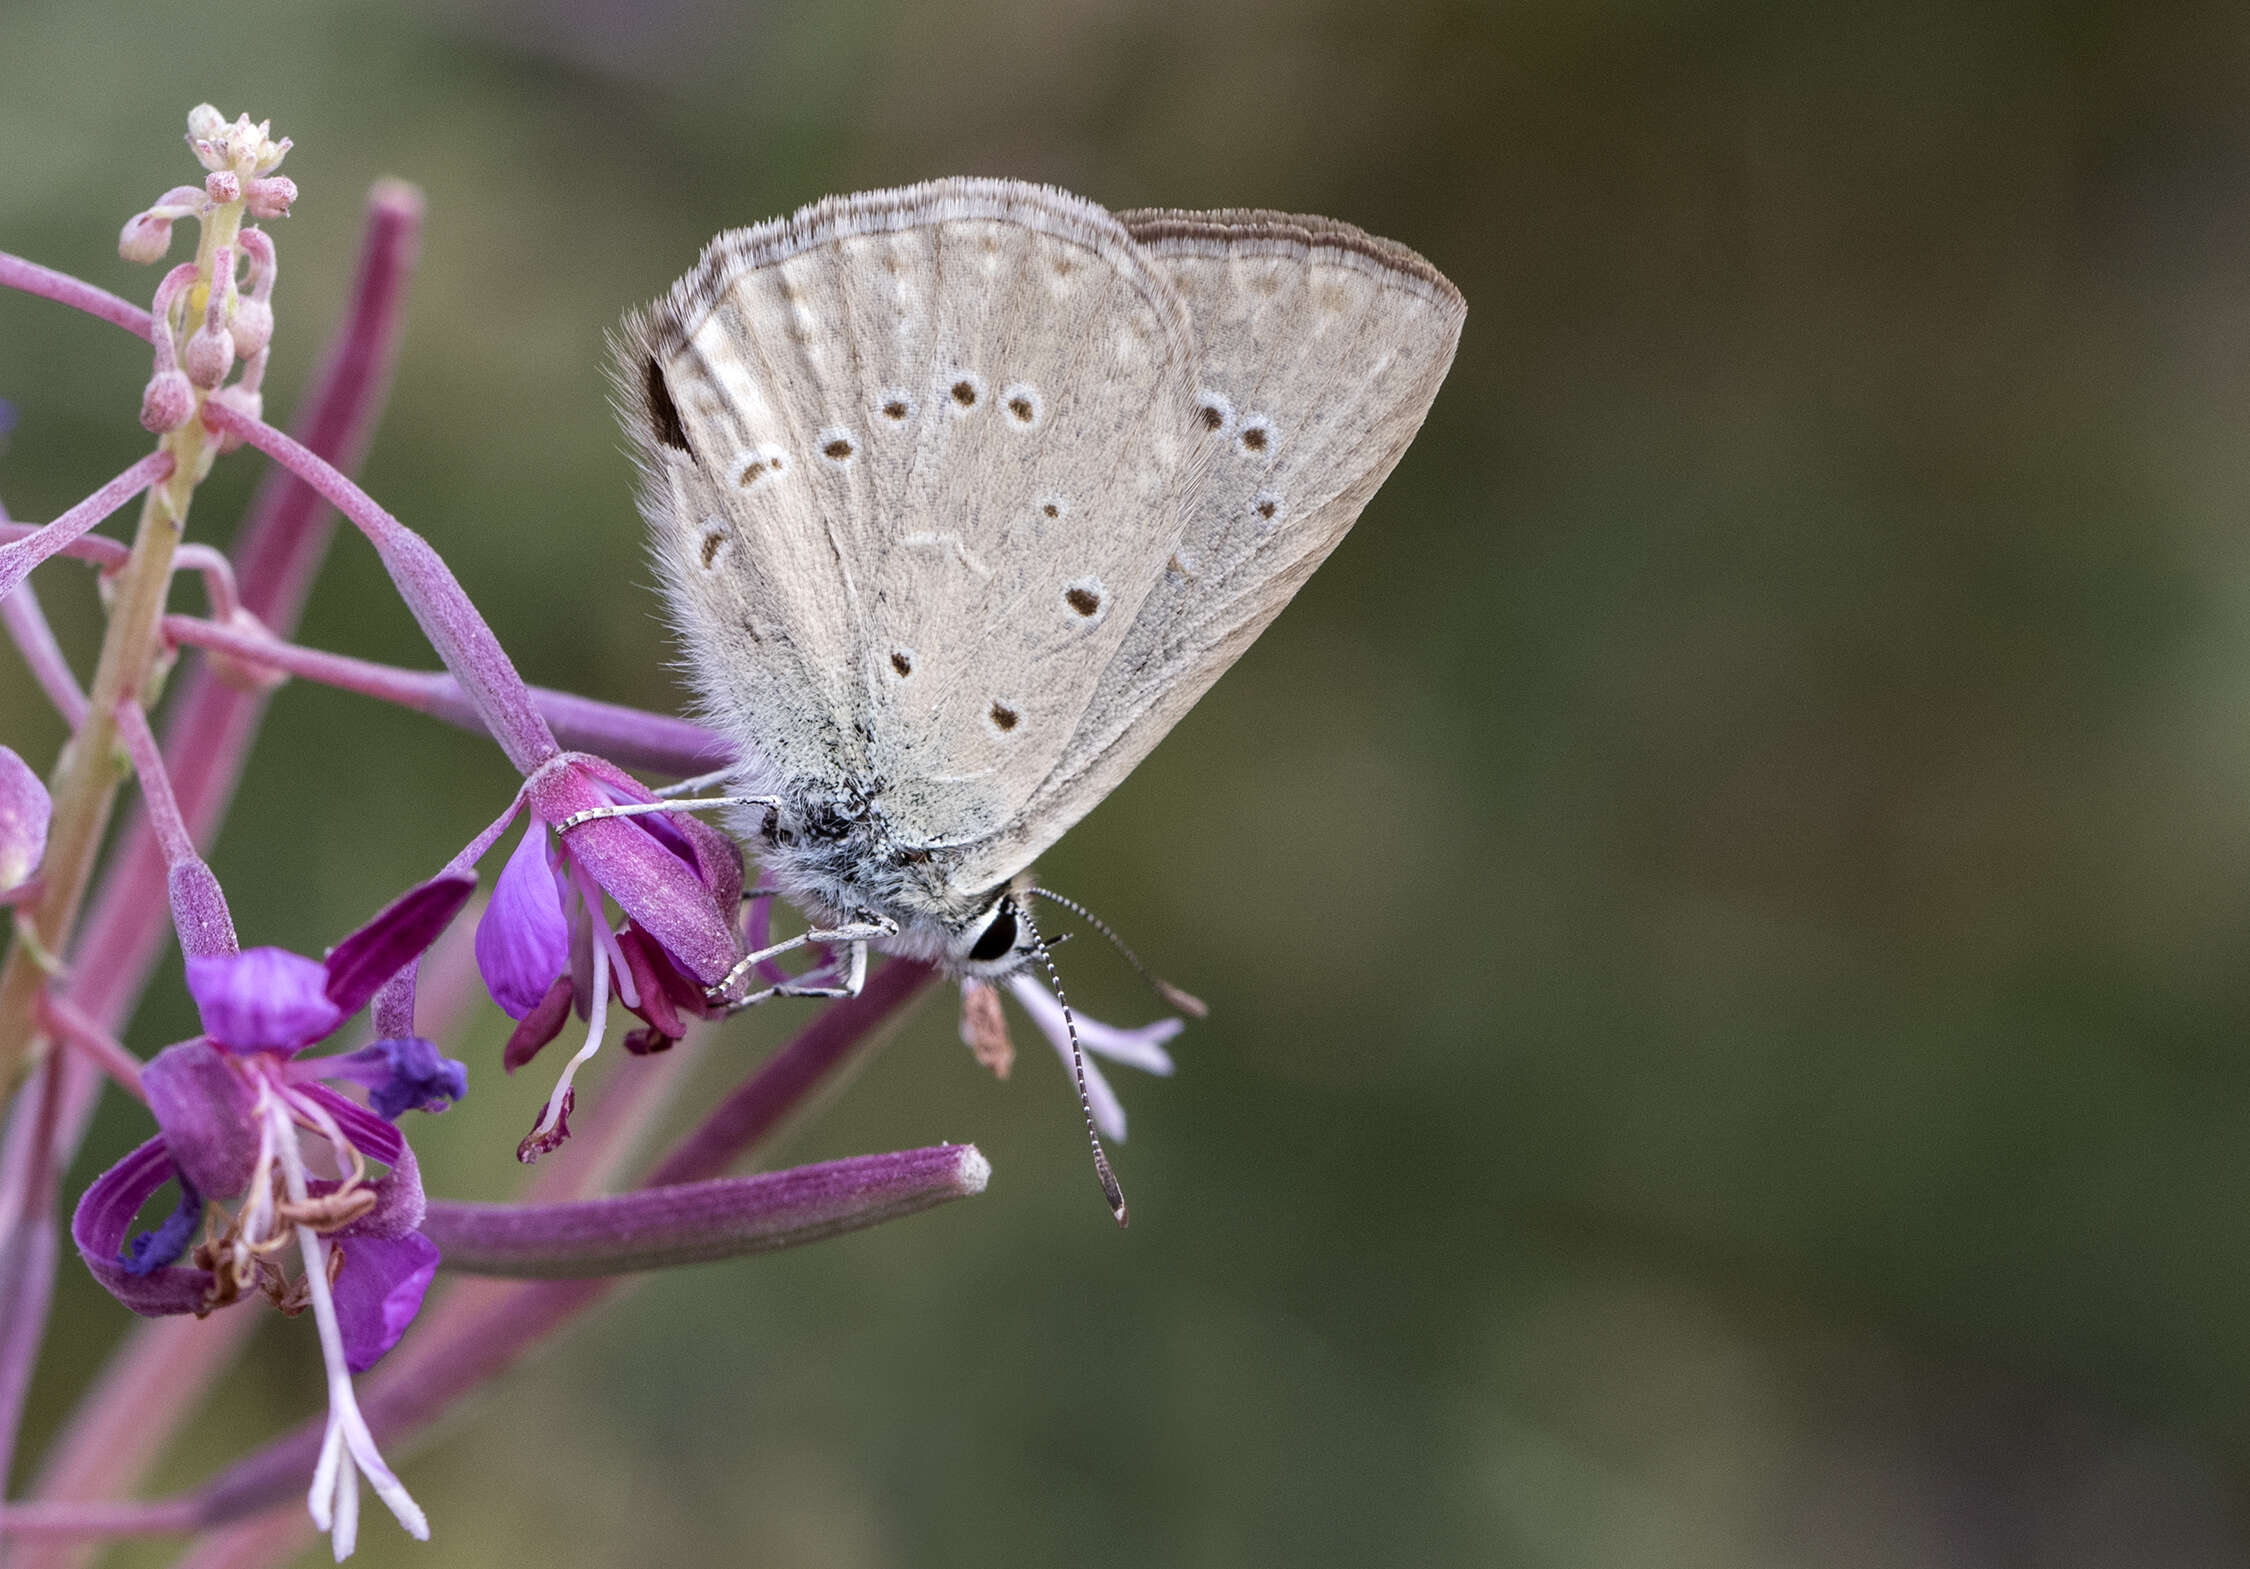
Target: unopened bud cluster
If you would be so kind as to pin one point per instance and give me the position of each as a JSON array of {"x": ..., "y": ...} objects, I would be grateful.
[{"x": 224, "y": 318}]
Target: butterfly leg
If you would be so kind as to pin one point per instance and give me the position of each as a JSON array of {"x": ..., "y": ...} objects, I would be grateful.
[
  {"x": 638, "y": 808},
  {"x": 855, "y": 977},
  {"x": 856, "y": 933},
  {"x": 679, "y": 787}
]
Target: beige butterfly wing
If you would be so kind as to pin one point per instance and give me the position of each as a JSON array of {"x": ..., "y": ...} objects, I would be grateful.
[
  {"x": 1321, "y": 348},
  {"x": 913, "y": 460}
]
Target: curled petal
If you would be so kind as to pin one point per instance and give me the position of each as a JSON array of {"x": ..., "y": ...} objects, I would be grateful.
[
  {"x": 378, "y": 1290},
  {"x": 523, "y": 937},
  {"x": 693, "y": 1222},
  {"x": 106, "y": 1213},
  {"x": 207, "y": 1113},
  {"x": 359, "y": 965},
  {"x": 24, "y": 810},
  {"x": 262, "y": 999}
]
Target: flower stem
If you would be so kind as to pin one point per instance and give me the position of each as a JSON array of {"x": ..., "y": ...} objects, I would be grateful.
[{"x": 87, "y": 776}]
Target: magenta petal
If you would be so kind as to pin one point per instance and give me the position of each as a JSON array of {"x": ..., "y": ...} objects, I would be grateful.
[
  {"x": 523, "y": 938},
  {"x": 541, "y": 1025},
  {"x": 360, "y": 964},
  {"x": 717, "y": 859},
  {"x": 378, "y": 1291},
  {"x": 106, "y": 1213},
  {"x": 263, "y": 999},
  {"x": 649, "y": 883},
  {"x": 206, "y": 1111}
]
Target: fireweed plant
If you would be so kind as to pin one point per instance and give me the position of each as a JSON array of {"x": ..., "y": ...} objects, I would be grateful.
[{"x": 279, "y": 1169}]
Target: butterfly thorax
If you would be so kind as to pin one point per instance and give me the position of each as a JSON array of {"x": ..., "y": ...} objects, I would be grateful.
[{"x": 832, "y": 851}]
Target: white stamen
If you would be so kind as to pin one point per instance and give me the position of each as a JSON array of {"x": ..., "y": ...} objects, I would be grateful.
[
  {"x": 333, "y": 1501},
  {"x": 606, "y": 940},
  {"x": 594, "y": 1027}
]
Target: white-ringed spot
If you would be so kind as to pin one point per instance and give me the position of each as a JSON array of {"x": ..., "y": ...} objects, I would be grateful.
[{"x": 964, "y": 392}]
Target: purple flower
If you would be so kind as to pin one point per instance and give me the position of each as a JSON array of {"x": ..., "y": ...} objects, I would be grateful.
[
  {"x": 230, "y": 1105},
  {"x": 545, "y": 946}
]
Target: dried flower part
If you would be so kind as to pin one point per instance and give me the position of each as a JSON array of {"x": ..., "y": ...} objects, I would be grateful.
[
  {"x": 984, "y": 1028},
  {"x": 24, "y": 812},
  {"x": 550, "y": 1132}
]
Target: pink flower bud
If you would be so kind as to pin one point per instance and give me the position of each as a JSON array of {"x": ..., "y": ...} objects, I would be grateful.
[
  {"x": 210, "y": 355},
  {"x": 210, "y": 352},
  {"x": 24, "y": 810},
  {"x": 223, "y": 186},
  {"x": 243, "y": 400},
  {"x": 168, "y": 402},
  {"x": 145, "y": 239},
  {"x": 253, "y": 317},
  {"x": 270, "y": 197},
  {"x": 253, "y": 327},
  {"x": 239, "y": 674}
]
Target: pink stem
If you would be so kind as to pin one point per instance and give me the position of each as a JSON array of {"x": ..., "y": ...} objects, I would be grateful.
[
  {"x": 61, "y": 287},
  {"x": 19, "y": 556},
  {"x": 35, "y": 639},
  {"x": 213, "y": 567},
  {"x": 68, "y": 1520},
  {"x": 279, "y": 1536},
  {"x": 99, "y": 549},
  {"x": 101, "y": 1048},
  {"x": 199, "y": 909},
  {"x": 629, "y": 735},
  {"x": 444, "y": 611},
  {"x": 28, "y": 1246}
]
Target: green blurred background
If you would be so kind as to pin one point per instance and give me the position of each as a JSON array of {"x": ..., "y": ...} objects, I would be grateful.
[{"x": 1724, "y": 905}]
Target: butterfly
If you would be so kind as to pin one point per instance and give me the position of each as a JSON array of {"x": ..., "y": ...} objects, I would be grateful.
[{"x": 961, "y": 495}]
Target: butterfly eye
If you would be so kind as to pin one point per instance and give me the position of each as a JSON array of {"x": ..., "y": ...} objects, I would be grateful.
[{"x": 999, "y": 936}]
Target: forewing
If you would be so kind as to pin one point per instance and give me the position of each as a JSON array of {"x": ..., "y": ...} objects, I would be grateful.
[
  {"x": 1321, "y": 348},
  {"x": 914, "y": 460}
]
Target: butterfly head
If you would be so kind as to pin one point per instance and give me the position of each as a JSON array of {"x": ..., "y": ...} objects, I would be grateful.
[{"x": 995, "y": 942}]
